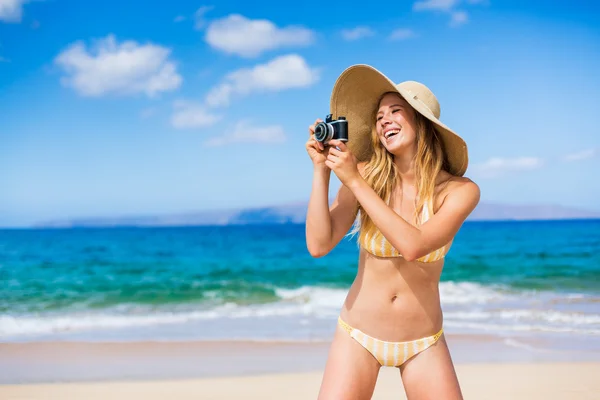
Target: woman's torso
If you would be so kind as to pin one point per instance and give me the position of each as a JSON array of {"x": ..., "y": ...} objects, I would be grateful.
[{"x": 393, "y": 299}]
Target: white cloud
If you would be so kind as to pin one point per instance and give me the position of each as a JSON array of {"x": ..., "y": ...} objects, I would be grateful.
[
  {"x": 200, "y": 22},
  {"x": 244, "y": 133},
  {"x": 285, "y": 72},
  {"x": 239, "y": 35},
  {"x": 444, "y": 5},
  {"x": 4, "y": 60},
  {"x": 125, "y": 68},
  {"x": 179, "y": 18},
  {"x": 458, "y": 18},
  {"x": 401, "y": 34},
  {"x": 497, "y": 166},
  {"x": 357, "y": 33},
  {"x": 192, "y": 115},
  {"x": 582, "y": 155},
  {"x": 11, "y": 10}
]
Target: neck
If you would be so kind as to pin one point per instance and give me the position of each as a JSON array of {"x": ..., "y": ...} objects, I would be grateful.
[{"x": 405, "y": 164}]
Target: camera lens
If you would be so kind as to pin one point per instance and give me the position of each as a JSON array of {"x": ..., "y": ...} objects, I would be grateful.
[{"x": 323, "y": 132}]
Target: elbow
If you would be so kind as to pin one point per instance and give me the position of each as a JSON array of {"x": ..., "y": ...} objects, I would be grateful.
[
  {"x": 411, "y": 254},
  {"x": 317, "y": 251},
  {"x": 412, "y": 250},
  {"x": 319, "y": 254},
  {"x": 409, "y": 258}
]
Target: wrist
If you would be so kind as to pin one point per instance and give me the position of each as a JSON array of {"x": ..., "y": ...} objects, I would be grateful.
[
  {"x": 321, "y": 169},
  {"x": 355, "y": 183}
]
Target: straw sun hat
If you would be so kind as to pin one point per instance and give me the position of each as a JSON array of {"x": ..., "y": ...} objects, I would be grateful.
[{"x": 356, "y": 96}]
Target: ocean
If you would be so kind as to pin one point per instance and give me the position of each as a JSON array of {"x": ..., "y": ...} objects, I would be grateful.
[{"x": 511, "y": 279}]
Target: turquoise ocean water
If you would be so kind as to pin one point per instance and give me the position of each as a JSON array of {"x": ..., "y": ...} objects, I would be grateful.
[{"x": 512, "y": 279}]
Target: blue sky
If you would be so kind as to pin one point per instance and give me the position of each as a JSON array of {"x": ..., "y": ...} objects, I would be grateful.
[{"x": 124, "y": 109}]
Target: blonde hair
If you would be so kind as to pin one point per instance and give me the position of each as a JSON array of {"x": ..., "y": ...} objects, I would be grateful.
[{"x": 381, "y": 173}]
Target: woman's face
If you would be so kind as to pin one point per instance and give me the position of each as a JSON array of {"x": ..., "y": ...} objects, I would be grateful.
[{"x": 395, "y": 123}]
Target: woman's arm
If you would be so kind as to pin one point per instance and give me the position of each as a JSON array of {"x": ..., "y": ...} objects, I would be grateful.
[
  {"x": 325, "y": 226},
  {"x": 410, "y": 241},
  {"x": 318, "y": 221}
]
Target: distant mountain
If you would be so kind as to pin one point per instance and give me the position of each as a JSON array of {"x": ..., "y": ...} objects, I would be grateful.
[
  {"x": 500, "y": 212},
  {"x": 296, "y": 213}
]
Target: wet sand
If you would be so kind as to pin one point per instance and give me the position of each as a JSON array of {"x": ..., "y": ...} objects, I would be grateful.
[{"x": 487, "y": 367}]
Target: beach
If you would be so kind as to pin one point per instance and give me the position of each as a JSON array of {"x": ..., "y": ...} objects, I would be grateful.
[
  {"x": 485, "y": 381},
  {"x": 168, "y": 232},
  {"x": 154, "y": 313},
  {"x": 255, "y": 370}
]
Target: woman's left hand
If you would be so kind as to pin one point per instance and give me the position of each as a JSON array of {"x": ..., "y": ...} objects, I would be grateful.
[{"x": 342, "y": 162}]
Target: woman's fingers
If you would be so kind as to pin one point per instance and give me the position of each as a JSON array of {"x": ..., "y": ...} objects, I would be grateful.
[
  {"x": 338, "y": 143},
  {"x": 311, "y": 130},
  {"x": 332, "y": 157},
  {"x": 312, "y": 142},
  {"x": 335, "y": 151},
  {"x": 319, "y": 144}
]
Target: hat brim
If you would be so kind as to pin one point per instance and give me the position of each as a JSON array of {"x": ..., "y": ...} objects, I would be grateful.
[{"x": 356, "y": 96}]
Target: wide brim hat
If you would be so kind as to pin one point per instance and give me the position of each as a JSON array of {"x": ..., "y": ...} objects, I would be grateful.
[{"x": 356, "y": 95}]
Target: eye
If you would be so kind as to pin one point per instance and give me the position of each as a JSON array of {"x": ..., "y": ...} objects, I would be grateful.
[
  {"x": 397, "y": 109},
  {"x": 379, "y": 117}
]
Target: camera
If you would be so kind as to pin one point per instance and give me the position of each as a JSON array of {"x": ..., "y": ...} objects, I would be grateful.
[{"x": 330, "y": 129}]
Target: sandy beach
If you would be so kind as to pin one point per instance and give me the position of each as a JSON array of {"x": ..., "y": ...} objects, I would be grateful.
[
  {"x": 478, "y": 381},
  {"x": 262, "y": 370}
]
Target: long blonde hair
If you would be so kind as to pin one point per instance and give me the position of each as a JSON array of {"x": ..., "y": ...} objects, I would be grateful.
[{"x": 381, "y": 173}]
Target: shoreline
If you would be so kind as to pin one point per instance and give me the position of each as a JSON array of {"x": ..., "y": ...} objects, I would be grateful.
[
  {"x": 548, "y": 381},
  {"x": 79, "y": 361},
  {"x": 487, "y": 366}
]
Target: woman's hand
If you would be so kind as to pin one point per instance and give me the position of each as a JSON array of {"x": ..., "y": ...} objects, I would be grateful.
[
  {"x": 316, "y": 150},
  {"x": 342, "y": 162}
]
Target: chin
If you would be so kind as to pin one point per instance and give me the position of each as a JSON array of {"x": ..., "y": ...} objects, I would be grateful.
[{"x": 399, "y": 149}]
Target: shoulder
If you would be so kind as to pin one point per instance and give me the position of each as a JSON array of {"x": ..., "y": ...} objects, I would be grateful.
[
  {"x": 448, "y": 183},
  {"x": 462, "y": 184},
  {"x": 459, "y": 189}
]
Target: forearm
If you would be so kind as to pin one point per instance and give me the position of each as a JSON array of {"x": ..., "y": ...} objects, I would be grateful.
[
  {"x": 403, "y": 236},
  {"x": 318, "y": 218}
]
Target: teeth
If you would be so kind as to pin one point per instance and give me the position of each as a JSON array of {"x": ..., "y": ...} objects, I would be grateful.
[{"x": 389, "y": 133}]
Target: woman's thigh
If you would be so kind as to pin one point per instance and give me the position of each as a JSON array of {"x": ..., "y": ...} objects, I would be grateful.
[
  {"x": 431, "y": 375},
  {"x": 351, "y": 371}
]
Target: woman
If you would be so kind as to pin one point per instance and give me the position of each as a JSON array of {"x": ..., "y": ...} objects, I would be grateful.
[{"x": 401, "y": 172}]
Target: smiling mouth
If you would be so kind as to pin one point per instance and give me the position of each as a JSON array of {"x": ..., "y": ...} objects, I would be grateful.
[{"x": 391, "y": 133}]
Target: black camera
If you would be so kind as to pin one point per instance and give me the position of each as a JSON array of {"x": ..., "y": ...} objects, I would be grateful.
[{"x": 328, "y": 130}]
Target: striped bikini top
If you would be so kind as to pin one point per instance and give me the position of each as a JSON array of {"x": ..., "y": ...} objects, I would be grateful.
[{"x": 379, "y": 246}]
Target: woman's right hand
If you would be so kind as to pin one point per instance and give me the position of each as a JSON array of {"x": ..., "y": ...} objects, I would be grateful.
[{"x": 316, "y": 150}]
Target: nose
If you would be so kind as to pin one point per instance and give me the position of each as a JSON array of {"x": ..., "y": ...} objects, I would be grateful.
[{"x": 385, "y": 120}]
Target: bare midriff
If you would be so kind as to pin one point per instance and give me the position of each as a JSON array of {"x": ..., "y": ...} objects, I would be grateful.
[{"x": 393, "y": 299}]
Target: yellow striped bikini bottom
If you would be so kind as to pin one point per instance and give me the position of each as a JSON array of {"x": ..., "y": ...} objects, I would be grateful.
[{"x": 390, "y": 354}]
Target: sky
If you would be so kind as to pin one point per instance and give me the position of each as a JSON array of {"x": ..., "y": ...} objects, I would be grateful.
[{"x": 117, "y": 108}]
